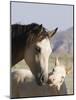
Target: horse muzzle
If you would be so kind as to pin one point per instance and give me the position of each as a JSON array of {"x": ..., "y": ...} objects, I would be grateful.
[{"x": 41, "y": 79}]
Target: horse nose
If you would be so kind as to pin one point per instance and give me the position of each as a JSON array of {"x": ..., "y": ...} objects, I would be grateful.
[{"x": 42, "y": 79}]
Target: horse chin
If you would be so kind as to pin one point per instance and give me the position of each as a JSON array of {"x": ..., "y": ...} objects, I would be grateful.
[{"x": 40, "y": 82}]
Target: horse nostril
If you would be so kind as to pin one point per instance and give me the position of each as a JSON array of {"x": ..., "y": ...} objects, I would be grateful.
[
  {"x": 53, "y": 80},
  {"x": 43, "y": 78}
]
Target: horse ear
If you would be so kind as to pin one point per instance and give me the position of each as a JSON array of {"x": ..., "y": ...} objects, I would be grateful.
[
  {"x": 50, "y": 34},
  {"x": 57, "y": 62},
  {"x": 68, "y": 70},
  {"x": 40, "y": 28}
]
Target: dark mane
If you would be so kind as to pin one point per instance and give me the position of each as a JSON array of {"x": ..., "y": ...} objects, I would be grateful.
[{"x": 30, "y": 33}]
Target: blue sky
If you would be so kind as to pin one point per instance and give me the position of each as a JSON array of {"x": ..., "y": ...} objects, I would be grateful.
[{"x": 50, "y": 16}]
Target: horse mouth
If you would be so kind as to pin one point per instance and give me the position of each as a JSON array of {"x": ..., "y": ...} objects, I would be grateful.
[{"x": 40, "y": 82}]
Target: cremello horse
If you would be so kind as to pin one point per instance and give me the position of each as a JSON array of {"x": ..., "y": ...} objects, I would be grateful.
[
  {"x": 24, "y": 83},
  {"x": 31, "y": 42},
  {"x": 58, "y": 74}
]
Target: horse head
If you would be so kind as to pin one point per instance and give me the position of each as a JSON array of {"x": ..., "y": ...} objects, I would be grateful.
[{"x": 37, "y": 52}]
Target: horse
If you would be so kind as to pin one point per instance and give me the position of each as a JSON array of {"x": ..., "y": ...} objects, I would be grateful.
[
  {"x": 24, "y": 83},
  {"x": 58, "y": 74},
  {"x": 32, "y": 43}
]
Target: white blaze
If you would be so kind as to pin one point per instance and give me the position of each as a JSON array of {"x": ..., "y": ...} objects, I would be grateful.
[{"x": 44, "y": 55}]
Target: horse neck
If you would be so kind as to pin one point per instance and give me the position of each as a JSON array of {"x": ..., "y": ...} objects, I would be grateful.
[
  {"x": 18, "y": 46},
  {"x": 18, "y": 41}
]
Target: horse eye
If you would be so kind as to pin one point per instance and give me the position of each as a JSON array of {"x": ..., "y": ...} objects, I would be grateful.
[
  {"x": 62, "y": 77},
  {"x": 38, "y": 49},
  {"x": 53, "y": 70}
]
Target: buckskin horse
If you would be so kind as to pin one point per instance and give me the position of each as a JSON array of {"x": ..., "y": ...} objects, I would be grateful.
[{"x": 32, "y": 43}]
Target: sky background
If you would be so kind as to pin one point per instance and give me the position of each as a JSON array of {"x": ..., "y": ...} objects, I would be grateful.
[{"x": 50, "y": 16}]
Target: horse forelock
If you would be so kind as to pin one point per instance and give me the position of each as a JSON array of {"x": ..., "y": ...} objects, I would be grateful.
[{"x": 34, "y": 35}]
